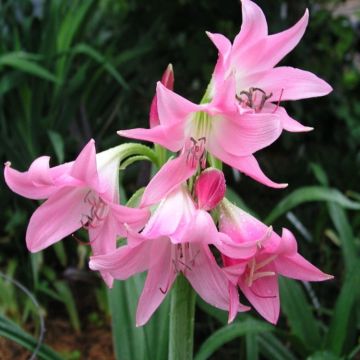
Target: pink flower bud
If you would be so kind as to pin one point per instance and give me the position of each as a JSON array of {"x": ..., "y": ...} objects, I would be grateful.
[
  {"x": 210, "y": 188},
  {"x": 168, "y": 81}
]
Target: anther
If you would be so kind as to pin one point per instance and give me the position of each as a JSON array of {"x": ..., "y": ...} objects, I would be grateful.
[{"x": 251, "y": 96}]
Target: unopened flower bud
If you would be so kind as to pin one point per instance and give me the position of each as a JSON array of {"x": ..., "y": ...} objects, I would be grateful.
[
  {"x": 168, "y": 81},
  {"x": 210, "y": 188}
]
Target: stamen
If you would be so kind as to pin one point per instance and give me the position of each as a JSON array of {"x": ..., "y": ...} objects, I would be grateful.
[
  {"x": 80, "y": 241},
  {"x": 196, "y": 152},
  {"x": 97, "y": 212},
  {"x": 259, "y": 275},
  {"x": 252, "y": 270},
  {"x": 251, "y": 97},
  {"x": 265, "y": 262},
  {"x": 264, "y": 238},
  {"x": 182, "y": 260}
]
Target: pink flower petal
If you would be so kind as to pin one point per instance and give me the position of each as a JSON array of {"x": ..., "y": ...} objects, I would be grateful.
[
  {"x": 210, "y": 188},
  {"x": 169, "y": 136},
  {"x": 180, "y": 206},
  {"x": 158, "y": 283},
  {"x": 254, "y": 25},
  {"x": 224, "y": 101},
  {"x": 168, "y": 81},
  {"x": 280, "y": 44},
  {"x": 173, "y": 108},
  {"x": 246, "y": 164},
  {"x": 84, "y": 167},
  {"x": 296, "y": 267},
  {"x": 169, "y": 177},
  {"x": 56, "y": 218},
  {"x": 103, "y": 240},
  {"x": 234, "y": 302},
  {"x": 222, "y": 43},
  {"x": 227, "y": 246},
  {"x": 125, "y": 261},
  {"x": 247, "y": 134},
  {"x": 133, "y": 217},
  {"x": 209, "y": 281},
  {"x": 36, "y": 183},
  {"x": 264, "y": 296},
  {"x": 287, "y": 122},
  {"x": 288, "y": 83},
  {"x": 268, "y": 51},
  {"x": 224, "y": 47},
  {"x": 201, "y": 228}
]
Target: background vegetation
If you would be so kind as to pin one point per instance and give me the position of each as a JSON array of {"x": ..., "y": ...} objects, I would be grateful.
[{"x": 71, "y": 70}]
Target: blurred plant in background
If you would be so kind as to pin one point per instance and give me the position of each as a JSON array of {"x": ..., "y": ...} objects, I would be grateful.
[{"x": 71, "y": 70}]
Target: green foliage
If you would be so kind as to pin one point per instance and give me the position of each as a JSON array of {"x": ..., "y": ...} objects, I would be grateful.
[{"x": 71, "y": 70}]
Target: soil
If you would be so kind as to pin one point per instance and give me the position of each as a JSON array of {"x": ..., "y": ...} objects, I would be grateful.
[{"x": 93, "y": 343}]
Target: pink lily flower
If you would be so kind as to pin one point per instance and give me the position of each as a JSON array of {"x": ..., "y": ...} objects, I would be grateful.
[
  {"x": 216, "y": 127},
  {"x": 169, "y": 245},
  {"x": 256, "y": 274},
  {"x": 251, "y": 60},
  {"x": 80, "y": 194}
]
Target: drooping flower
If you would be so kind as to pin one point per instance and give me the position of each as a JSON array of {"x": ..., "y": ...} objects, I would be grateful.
[
  {"x": 251, "y": 60},
  {"x": 175, "y": 240},
  {"x": 80, "y": 194},
  {"x": 256, "y": 274}
]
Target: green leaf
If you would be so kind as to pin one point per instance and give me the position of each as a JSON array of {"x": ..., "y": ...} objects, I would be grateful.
[
  {"x": 252, "y": 347},
  {"x": 341, "y": 319},
  {"x": 21, "y": 61},
  {"x": 70, "y": 26},
  {"x": 320, "y": 174},
  {"x": 228, "y": 333},
  {"x": 132, "y": 160},
  {"x": 134, "y": 201},
  {"x": 300, "y": 317},
  {"x": 68, "y": 299},
  {"x": 323, "y": 355},
  {"x": 343, "y": 227},
  {"x": 12, "y": 331},
  {"x": 60, "y": 253},
  {"x": 98, "y": 57},
  {"x": 272, "y": 348},
  {"x": 309, "y": 194},
  {"x": 58, "y": 145},
  {"x": 128, "y": 341}
]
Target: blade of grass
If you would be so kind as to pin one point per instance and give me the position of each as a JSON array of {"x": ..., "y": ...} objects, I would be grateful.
[
  {"x": 129, "y": 341},
  {"x": 309, "y": 194},
  {"x": 343, "y": 227},
  {"x": 98, "y": 57},
  {"x": 252, "y": 347},
  {"x": 272, "y": 348},
  {"x": 12, "y": 331},
  {"x": 68, "y": 299},
  {"x": 300, "y": 317},
  {"x": 21, "y": 61},
  {"x": 228, "y": 333}
]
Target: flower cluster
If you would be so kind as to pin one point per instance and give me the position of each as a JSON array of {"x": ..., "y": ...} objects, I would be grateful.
[{"x": 183, "y": 222}]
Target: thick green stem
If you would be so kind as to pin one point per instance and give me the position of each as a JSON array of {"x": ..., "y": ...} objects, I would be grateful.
[{"x": 182, "y": 313}]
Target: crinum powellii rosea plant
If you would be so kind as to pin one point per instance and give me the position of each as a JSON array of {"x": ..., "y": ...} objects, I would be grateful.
[{"x": 183, "y": 214}]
